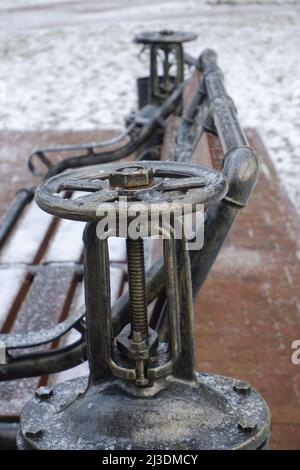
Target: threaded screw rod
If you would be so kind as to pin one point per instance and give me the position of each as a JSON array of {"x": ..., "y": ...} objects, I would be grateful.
[{"x": 137, "y": 287}]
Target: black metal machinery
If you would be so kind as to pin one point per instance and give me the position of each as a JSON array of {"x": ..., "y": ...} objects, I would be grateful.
[
  {"x": 166, "y": 72},
  {"x": 143, "y": 391}
]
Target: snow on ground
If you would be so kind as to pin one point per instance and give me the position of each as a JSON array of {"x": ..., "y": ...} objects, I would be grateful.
[
  {"x": 7, "y": 4},
  {"x": 72, "y": 65}
]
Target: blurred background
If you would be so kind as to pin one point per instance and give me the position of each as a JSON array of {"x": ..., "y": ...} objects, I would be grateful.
[{"x": 72, "y": 64}]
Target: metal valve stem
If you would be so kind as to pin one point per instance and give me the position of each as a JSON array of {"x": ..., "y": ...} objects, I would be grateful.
[
  {"x": 137, "y": 288},
  {"x": 138, "y": 302},
  {"x": 128, "y": 179}
]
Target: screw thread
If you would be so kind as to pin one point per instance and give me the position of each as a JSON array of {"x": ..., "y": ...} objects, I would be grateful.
[{"x": 137, "y": 287}]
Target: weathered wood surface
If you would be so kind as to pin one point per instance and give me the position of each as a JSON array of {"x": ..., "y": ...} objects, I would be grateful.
[{"x": 248, "y": 313}]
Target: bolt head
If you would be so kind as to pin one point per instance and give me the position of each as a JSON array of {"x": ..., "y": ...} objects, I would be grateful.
[
  {"x": 44, "y": 393},
  {"x": 33, "y": 433},
  {"x": 247, "y": 424},
  {"x": 131, "y": 177},
  {"x": 241, "y": 387}
]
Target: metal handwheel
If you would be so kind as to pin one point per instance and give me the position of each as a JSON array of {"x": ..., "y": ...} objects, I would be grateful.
[{"x": 147, "y": 182}]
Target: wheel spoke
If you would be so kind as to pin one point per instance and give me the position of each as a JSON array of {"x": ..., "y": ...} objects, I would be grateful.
[
  {"x": 83, "y": 185},
  {"x": 183, "y": 184},
  {"x": 105, "y": 195}
]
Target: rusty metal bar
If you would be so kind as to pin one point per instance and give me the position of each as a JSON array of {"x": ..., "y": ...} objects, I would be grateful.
[
  {"x": 169, "y": 105},
  {"x": 97, "y": 301},
  {"x": 240, "y": 168},
  {"x": 45, "y": 362},
  {"x": 8, "y": 434}
]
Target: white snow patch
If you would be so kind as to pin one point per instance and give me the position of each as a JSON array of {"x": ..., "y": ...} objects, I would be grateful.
[
  {"x": 66, "y": 245},
  {"x": 116, "y": 276},
  {"x": 28, "y": 236},
  {"x": 81, "y": 75},
  {"x": 11, "y": 281},
  {"x": 238, "y": 259}
]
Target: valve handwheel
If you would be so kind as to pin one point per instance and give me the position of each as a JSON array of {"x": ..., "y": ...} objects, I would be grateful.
[
  {"x": 152, "y": 183},
  {"x": 161, "y": 188},
  {"x": 164, "y": 36}
]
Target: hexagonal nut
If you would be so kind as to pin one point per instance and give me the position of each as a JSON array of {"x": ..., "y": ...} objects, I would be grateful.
[
  {"x": 34, "y": 433},
  {"x": 131, "y": 177},
  {"x": 137, "y": 351},
  {"x": 44, "y": 393},
  {"x": 242, "y": 387},
  {"x": 247, "y": 424}
]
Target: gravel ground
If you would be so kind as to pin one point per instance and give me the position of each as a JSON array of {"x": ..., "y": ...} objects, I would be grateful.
[{"x": 72, "y": 64}]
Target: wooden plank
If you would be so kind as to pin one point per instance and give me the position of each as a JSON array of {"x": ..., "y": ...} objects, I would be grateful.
[
  {"x": 25, "y": 242},
  {"x": 116, "y": 279},
  {"x": 16, "y": 146},
  {"x": 248, "y": 312},
  {"x": 66, "y": 245},
  {"x": 11, "y": 281},
  {"x": 43, "y": 306}
]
